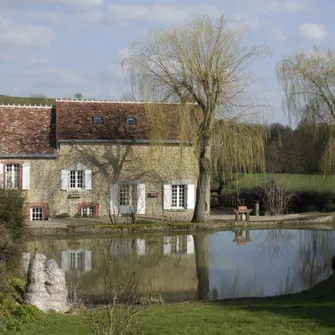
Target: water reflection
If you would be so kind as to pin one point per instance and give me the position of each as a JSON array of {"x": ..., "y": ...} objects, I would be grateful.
[{"x": 190, "y": 267}]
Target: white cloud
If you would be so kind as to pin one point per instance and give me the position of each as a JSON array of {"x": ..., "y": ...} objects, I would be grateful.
[
  {"x": 158, "y": 14},
  {"x": 20, "y": 35},
  {"x": 280, "y": 33},
  {"x": 49, "y": 17},
  {"x": 315, "y": 32},
  {"x": 69, "y": 3},
  {"x": 282, "y": 5}
]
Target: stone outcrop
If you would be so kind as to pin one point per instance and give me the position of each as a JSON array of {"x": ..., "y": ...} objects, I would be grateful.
[{"x": 46, "y": 287}]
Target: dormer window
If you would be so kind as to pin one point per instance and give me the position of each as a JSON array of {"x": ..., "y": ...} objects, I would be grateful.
[
  {"x": 98, "y": 120},
  {"x": 131, "y": 120}
]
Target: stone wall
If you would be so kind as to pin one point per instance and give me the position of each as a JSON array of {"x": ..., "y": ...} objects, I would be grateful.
[{"x": 110, "y": 163}]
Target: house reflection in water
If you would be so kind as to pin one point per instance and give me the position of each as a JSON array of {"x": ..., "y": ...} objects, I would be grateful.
[
  {"x": 242, "y": 236},
  {"x": 182, "y": 244},
  {"x": 76, "y": 260},
  {"x": 164, "y": 265}
]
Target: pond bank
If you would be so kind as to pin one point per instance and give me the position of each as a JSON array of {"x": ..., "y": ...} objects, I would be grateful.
[
  {"x": 309, "y": 312},
  {"x": 213, "y": 223}
]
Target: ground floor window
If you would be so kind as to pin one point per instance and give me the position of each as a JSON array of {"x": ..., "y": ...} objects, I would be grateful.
[
  {"x": 88, "y": 210},
  {"x": 178, "y": 196},
  {"x": 127, "y": 194},
  {"x": 36, "y": 213}
]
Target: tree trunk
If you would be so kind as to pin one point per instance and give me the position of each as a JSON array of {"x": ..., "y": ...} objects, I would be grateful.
[
  {"x": 202, "y": 185},
  {"x": 201, "y": 260}
]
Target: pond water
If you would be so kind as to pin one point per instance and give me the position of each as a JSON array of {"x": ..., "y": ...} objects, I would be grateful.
[{"x": 225, "y": 264}]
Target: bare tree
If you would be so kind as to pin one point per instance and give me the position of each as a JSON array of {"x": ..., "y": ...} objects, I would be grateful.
[
  {"x": 308, "y": 80},
  {"x": 204, "y": 66},
  {"x": 128, "y": 97}
]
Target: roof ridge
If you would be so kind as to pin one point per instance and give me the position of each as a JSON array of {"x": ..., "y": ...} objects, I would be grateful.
[
  {"x": 114, "y": 101},
  {"x": 26, "y": 106}
]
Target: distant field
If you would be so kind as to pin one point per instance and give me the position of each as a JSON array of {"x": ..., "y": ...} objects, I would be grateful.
[
  {"x": 5, "y": 99},
  {"x": 293, "y": 182}
]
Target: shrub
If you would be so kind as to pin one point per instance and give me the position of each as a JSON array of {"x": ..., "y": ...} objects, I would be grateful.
[
  {"x": 11, "y": 212},
  {"x": 275, "y": 197},
  {"x": 62, "y": 215}
]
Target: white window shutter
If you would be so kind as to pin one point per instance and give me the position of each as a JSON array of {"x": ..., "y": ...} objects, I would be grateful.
[
  {"x": 140, "y": 198},
  {"x": 65, "y": 261},
  {"x": 88, "y": 260},
  {"x": 190, "y": 244},
  {"x": 167, "y": 245},
  {"x": 140, "y": 243},
  {"x": 114, "y": 199},
  {"x": 190, "y": 197},
  {"x": 88, "y": 180},
  {"x": 2, "y": 179},
  {"x": 25, "y": 176},
  {"x": 167, "y": 196},
  {"x": 65, "y": 179}
]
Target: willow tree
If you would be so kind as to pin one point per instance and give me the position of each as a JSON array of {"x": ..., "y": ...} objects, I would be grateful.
[
  {"x": 205, "y": 63},
  {"x": 308, "y": 81}
]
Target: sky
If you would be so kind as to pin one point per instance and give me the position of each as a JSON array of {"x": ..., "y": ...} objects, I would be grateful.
[{"x": 60, "y": 47}]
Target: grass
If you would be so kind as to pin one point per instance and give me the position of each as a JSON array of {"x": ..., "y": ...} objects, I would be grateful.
[
  {"x": 5, "y": 99},
  {"x": 310, "y": 312},
  {"x": 293, "y": 182}
]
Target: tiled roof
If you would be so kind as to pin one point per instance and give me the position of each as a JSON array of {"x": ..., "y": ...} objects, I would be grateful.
[
  {"x": 27, "y": 130},
  {"x": 74, "y": 121}
]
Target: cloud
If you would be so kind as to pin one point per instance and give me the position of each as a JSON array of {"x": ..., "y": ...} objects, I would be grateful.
[
  {"x": 68, "y": 3},
  {"x": 280, "y": 33},
  {"x": 282, "y": 5},
  {"x": 21, "y": 35},
  {"x": 315, "y": 32},
  {"x": 157, "y": 14}
]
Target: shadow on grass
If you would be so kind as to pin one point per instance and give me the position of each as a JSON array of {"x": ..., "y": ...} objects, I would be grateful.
[{"x": 316, "y": 304}]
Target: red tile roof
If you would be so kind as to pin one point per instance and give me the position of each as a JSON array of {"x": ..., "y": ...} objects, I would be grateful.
[
  {"x": 74, "y": 121},
  {"x": 27, "y": 130}
]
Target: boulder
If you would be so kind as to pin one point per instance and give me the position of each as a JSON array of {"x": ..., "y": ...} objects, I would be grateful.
[{"x": 46, "y": 287}]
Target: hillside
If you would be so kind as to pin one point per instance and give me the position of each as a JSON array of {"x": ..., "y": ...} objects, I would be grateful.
[{"x": 6, "y": 99}]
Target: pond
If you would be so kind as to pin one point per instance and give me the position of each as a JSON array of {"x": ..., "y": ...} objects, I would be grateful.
[{"x": 224, "y": 264}]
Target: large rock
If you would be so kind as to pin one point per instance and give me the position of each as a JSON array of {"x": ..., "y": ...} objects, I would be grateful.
[{"x": 46, "y": 287}]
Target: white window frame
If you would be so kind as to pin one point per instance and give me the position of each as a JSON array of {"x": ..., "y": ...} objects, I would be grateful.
[
  {"x": 32, "y": 214},
  {"x": 76, "y": 180},
  {"x": 15, "y": 176},
  {"x": 90, "y": 210},
  {"x": 131, "y": 196},
  {"x": 181, "y": 192}
]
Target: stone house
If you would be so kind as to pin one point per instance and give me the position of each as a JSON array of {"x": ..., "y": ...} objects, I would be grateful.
[{"x": 96, "y": 158}]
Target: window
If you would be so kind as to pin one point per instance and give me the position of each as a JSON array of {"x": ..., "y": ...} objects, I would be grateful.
[
  {"x": 131, "y": 120},
  {"x": 98, "y": 120},
  {"x": 77, "y": 260},
  {"x": 178, "y": 196},
  {"x": 127, "y": 194},
  {"x": 76, "y": 179},
  {"x": 88, "y": 210},
  {"x": 36, "y": 213},
  {"x": 12, "y": 176}
]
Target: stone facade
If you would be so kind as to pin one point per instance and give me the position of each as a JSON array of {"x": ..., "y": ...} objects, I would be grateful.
[
  {"x": 75, "y": 166},
  {"x": 111, "y": 164}
]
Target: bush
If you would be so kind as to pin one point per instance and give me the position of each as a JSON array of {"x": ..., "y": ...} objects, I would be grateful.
[
  {"x": 62, "y": 215},
  {"x": 11, "y": 212},
  {"x": 275, "y": 197}
]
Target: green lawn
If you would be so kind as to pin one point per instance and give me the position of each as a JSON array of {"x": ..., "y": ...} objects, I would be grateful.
[
  {"x": 310, "y": 312},
  {"x": 293, "y": 182}
]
